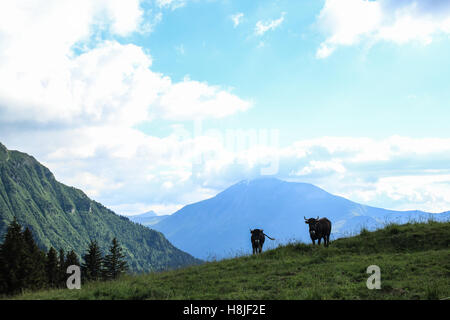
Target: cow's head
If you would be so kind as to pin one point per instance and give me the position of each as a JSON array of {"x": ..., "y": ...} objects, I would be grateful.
[
  {"x": 257, "y": 233},
  {"x": 312, "y": 224}
]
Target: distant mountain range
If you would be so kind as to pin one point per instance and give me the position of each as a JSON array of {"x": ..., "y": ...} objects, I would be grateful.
[
  {"x": 64, "y": 217},
  {"x": 219, "y": 227},
  {"x": 147, "y": 219}
]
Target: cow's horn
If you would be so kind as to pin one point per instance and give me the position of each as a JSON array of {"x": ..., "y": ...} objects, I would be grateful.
[
  {"x": 305, "y": 218},
  {"x": 317, "y": 218}
]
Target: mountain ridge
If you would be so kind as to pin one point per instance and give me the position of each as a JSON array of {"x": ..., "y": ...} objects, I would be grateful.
[{"x": 65, "y": 217}]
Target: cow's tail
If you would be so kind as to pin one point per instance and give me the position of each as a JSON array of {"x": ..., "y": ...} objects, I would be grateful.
[{"x": 268, "y": 236}]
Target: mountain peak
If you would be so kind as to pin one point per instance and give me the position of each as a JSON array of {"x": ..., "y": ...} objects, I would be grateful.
[
  {"x": 150, "y": 213},
  {"x": 263, "y": 179},
  {"x": 258, "y": 181},
  {"x": 272, "y": 184}
]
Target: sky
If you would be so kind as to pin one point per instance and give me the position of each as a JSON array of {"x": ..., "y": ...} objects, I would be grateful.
[{"x": 155, "y": 104}]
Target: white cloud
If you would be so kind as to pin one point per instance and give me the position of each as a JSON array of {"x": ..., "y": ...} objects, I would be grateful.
[
  {"x": 125, "y": 18},
  {"x": 92, "y": 184},
  {"x": 172, "y": 4},
  {"x": 43, "y": 81},
  {"x": 182, "y": 100},
  {"x": 237, "y": 18},
  {"x": 429, "y": 192},
  {"x": 397, "y": 173},
  {"x": 262, "y": 27},
  {"x": 72, "y": 99},
  {"x": 110, "y": 83},
  {"x": 321, "y": 166},
  {"x": 350, "y": 22}
]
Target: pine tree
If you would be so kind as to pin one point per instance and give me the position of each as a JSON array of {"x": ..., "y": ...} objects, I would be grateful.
[
  {"x": 33, "y": 263},
  {"x": 93, "y": 263},
  {"x": 71, "y": 259},
  {"x": 13, "y": 253},
  {"x": 115, "y": 264},
  {"x": 62, "y": 268},
  {"x": 51, "y": 268}
]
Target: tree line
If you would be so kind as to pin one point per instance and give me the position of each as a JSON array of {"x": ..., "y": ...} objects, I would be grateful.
[{"x": 24, "y": 266}]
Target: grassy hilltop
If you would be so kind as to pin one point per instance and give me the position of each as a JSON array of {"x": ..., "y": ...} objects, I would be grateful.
[{"x": 414, "y": 259}]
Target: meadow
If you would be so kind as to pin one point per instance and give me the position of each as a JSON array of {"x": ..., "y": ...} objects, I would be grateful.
[{"x": 414, "y": 261}]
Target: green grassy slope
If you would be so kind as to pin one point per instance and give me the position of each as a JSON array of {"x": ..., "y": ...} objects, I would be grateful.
[
  {"x": 64, "y": 217},
  {"x": 414, "y": 261}
]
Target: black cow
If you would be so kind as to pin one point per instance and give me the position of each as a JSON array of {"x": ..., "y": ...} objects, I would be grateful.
[
  {"x": 258, "y": 237},
  {"x": 318, "y": 229}
]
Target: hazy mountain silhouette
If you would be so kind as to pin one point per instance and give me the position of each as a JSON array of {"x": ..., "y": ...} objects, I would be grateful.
[
  {"x": 148, "y": 219},
  {"x": 219, "y": 227}
]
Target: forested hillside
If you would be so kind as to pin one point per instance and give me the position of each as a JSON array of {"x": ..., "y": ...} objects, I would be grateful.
[{"x": 65, "y": 218}]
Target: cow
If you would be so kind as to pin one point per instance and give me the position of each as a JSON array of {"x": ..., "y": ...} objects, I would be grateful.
[
  {"x": 258, "y": 237},
  {"x": 318, "y": 229}
]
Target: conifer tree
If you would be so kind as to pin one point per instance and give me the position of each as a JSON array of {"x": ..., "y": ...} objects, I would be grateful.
[
  {"x": 93, "y": 262},
  {"x": 51, "y": 268},
  {"x": 115, "y": 264},
  {"x": 61, "y": 268},
  {"x": 71, "y": 259},
  {"x": 13, "y": 252},
  {"x": 33, "y": 263}
]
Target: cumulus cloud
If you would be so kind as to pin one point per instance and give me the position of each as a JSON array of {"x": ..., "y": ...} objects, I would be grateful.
[
  {"x": 72, "y": 99},
  {"x": 110, "y": 83},
  {"x": 398, "y": 172},
  {"x": 182, "y": 100},
  {"x": 351, "y": 22},
  {"x": 262, "y": 27},
  {"x": 44, "y": 81}
]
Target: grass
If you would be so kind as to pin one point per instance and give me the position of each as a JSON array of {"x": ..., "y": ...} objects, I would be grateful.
[{"x": 414, "y": 260}]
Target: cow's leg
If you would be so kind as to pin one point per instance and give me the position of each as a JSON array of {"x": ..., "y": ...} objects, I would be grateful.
[
  {"x": 319, "y": 240},
  {"x": 314, "y": 242}
]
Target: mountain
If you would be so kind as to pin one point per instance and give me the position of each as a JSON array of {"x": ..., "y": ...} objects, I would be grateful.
[
  {"x": 219, "y": 227},
  {"x": 147, "y": 219},
  {"x": 64, "y": 217}
]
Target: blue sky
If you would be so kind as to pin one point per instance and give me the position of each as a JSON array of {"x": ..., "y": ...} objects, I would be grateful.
[
  {"x": 354, "y": 92},
  {"x": 133, "y": 102}
]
